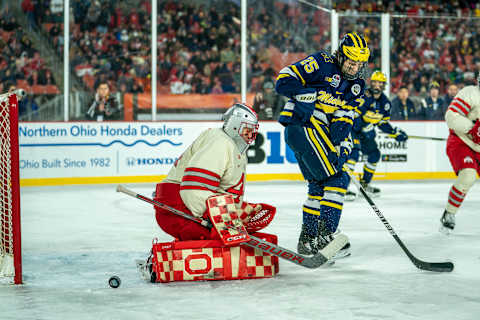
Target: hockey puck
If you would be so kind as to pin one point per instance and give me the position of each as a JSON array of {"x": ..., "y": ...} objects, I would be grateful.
[{"x": 114, "y": 282}]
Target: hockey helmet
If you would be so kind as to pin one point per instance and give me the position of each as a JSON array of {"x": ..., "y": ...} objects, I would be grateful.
[
  {"x": 380, "y": 77},
  {"x": 235, "y": 120},
  {"x": 353, "y": 47}
]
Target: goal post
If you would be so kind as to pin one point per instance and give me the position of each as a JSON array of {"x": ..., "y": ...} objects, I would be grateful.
[{"x": 10, "y": 236}]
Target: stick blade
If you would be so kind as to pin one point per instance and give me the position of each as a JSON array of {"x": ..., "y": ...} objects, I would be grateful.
[{"x": 435, "y": 266}]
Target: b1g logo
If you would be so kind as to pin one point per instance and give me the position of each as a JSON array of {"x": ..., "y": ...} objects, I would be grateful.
[{"x": 257, "y": 153}]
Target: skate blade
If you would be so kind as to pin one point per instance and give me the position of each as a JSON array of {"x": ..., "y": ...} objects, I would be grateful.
[
  {"x": 350, "y": 198},
  {"x": 142, "y": 269},
  {"x": 445, "y": 230},
  {"x": 341, "y": 255}
]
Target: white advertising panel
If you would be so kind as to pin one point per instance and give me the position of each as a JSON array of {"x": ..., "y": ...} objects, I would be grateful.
[{"x": 138, "y": 149}]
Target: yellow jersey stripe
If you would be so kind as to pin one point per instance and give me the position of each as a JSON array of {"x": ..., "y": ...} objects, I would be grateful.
[
  {"x": 347, "y": 120},
  {"x": 319, "y": 148},
  {"x": 341, "y": 190},
  {"x": 331, "y": 204},
  {"x": 368, "y": 169},
  {"x": 322, "y": 133},
  {"x": 311, "y": 211},
  {"x": 294, "y": 68},
  {"x": 283, "y": 75},
  {"x": 286, "y": 113}
]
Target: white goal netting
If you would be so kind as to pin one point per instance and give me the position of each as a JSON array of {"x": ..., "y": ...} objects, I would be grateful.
[{"x": 7, "y": 189}]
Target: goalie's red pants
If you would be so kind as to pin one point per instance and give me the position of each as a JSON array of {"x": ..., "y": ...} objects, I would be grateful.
[{"x": 177, "y": 226}]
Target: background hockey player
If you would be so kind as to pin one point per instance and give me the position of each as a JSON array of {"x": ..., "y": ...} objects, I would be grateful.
[
  {"x": 324, "y": 91},
  {"x": 213, "y": 164},
  {"x": 463, "y": 148},
  {"x": 374, "y": 112}
]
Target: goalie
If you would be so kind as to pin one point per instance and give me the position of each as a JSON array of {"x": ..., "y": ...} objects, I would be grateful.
[{"x": 213, "y": 167}]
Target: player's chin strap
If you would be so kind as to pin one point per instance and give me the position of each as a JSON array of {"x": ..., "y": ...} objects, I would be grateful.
[
  {"x": 430, "y": 266},
  {"x": 308, "y": 262}
]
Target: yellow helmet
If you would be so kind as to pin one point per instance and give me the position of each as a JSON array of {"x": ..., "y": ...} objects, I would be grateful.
[
  {"x": 378, "y": 76},
  {"x": 354, "y": 47}
]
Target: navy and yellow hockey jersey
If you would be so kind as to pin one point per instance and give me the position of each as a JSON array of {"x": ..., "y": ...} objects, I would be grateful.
[
  {"x": 373, "y": 113},
  {"x": 337, "y": 99}
]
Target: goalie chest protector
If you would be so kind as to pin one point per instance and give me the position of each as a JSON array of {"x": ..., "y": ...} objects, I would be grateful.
[{"x": 211, "y": 260}]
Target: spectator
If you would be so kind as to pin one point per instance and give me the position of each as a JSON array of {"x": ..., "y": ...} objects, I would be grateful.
[
  {"x": 105, "y": 106},
  {"x": 452, "y": 90},
  {"x": 403, "y": 107},
  {"x": 433, "y": 107},
  {"x": 267, "y": 104}
]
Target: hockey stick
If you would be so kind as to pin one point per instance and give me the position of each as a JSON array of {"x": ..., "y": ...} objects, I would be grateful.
[
  {"x": 430, "y": 266},
  {"x": 308, "y": 262},
  {"x": 420, "y": 137}
]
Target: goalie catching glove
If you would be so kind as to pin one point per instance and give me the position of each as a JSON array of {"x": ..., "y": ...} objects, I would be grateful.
[{"x": 255, "y": 217}]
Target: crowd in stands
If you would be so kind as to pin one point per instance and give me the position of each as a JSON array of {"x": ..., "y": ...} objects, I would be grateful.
[
  {"x": 20, "y": 62},
  {"x": 199, "y": 42}
]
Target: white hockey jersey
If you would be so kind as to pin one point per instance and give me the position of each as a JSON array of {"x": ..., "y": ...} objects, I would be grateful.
[
  {"x": 212, "y": 164},
  {"x": 462, "y": 112}
]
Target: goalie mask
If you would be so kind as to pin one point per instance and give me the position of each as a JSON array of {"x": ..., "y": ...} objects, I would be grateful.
[
  {"x": 241, "y": 124},
  {"x": 378, "y": 80},
  {"x": 352, "y": 47}
]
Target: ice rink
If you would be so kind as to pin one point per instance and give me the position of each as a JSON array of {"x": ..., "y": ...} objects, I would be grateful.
[{"x": 76, "y": 237}]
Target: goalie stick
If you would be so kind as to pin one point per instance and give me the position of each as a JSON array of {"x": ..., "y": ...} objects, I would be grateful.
[
  {"x": 429, "y": 266},
  {"x": 312, "y": 262}
]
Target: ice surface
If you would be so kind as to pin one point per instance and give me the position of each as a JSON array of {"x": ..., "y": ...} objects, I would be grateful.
[{"x": 76, "y": 237}]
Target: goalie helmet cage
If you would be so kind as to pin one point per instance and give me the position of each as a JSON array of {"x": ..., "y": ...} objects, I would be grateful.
[{"x": 10, "y": 239}]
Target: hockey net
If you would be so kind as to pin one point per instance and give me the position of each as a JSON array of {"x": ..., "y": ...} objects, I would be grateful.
[{"x": 10, "y": 240}]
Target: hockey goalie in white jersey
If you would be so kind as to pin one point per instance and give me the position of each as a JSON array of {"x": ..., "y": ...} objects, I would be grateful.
[
  {"x": 214, "y": 164},
  {"x": 463, "y": 148}
]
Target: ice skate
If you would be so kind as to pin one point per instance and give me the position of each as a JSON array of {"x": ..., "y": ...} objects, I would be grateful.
[
  {"x": 145, "y": 268},
  {"x": 307, "y": 244},
  {"x": 374, "y": 192},
  {"x": 448, "y": 222},
  {"x": 350, "y": 196},
  {"x": 325, "y": 238}
]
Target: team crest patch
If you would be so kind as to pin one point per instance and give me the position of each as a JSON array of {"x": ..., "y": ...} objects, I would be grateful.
[
  {"x": 468, "y": 159},
  {"x": 356, "y": 89},
  {"x": 387, "y": 106},
  {"x": 334, "y": 80}
]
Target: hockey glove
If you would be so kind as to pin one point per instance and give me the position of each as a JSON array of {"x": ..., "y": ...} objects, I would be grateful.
[
  {"x": 475, "y": 132},
  {"x": 343, "y": 153},
  {"x": 400, "y": 135}
]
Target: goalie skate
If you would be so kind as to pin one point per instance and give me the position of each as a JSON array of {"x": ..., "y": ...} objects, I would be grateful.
[{"x": 144, "y": 267}]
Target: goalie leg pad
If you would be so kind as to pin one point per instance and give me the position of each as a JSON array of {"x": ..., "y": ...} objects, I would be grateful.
[
  {"x": 211, "y": 260},
  {"x": 224, "y": 217}
]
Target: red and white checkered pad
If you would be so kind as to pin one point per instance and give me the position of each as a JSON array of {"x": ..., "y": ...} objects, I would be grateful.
[
  {"x": 223, "y": 215},
  {"x": 211, "y": 260}
]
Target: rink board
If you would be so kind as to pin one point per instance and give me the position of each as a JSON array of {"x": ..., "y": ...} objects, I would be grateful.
[{"x": 130, "y": 152}]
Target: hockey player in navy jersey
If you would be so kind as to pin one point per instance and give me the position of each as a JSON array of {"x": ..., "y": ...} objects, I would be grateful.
[
  {"x": 375, "y": 112},
  {"x": 324, "y": 91}
]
